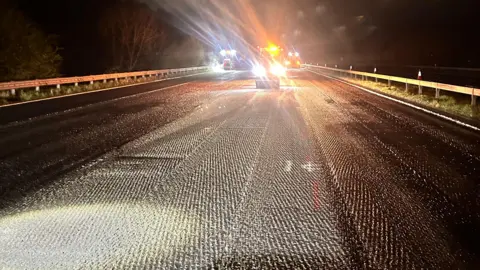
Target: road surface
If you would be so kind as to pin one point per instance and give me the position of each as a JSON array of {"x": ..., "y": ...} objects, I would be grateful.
[{"x": 212, "y": 173}]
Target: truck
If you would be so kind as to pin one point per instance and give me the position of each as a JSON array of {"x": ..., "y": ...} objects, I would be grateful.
[
  {"x": 293, "y": 60},
  {"x": 268, "y": 67}
]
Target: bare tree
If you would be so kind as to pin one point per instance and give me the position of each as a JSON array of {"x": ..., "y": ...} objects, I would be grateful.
[{"x": 133, "y": 32}]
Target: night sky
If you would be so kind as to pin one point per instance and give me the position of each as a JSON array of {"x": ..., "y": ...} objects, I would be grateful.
[
  {"x": 397, "y": 32},
  {"x": 389, "y": 31}
]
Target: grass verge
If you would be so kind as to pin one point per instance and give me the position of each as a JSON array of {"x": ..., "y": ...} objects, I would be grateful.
[{"x": 449, "y": 102}]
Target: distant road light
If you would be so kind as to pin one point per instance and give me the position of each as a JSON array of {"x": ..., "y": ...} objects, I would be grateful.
[{"x": 223, "y": 52}]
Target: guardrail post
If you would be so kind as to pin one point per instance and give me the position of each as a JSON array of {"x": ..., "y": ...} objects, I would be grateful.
[
  {"x": 389, "y": 83},
  {"x": 76, "y": 84},
  {"x": 58, "y": 86},
  {"x": 37, "y": 88},
  {"x": 419, "y": 89},
  {"x": 104, "y": 80},
  {"x": 474, "y": 98},
  {"x": 406, "y": 86},
  {"x": 91, "y": 82},
  {"x": 12, "y": 92},
  {"x": 437, "y": 93}
]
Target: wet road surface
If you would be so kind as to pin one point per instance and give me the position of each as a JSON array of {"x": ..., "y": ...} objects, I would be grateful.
[{"x": 216, "y": 174}]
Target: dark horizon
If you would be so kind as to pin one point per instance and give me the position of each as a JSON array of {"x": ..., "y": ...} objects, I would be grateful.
[{"x": 344, "y": 32}]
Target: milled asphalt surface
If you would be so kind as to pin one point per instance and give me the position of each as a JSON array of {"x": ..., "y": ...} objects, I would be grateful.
[
  {"x": 216, "y": 174},
  {"x": 35, "y": 151}
]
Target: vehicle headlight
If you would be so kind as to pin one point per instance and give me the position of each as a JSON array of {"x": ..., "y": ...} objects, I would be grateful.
[
  {"x": 277, "y": 70},
  {"x": 287, "y": 62},
  {"x": 259, "y": 71}
]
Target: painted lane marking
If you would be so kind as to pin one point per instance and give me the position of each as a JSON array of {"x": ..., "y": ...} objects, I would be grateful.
[{"x": 288, "y": 167}]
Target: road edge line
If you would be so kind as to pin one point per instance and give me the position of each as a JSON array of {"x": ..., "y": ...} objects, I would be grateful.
[{"x": 453, "y": 120}]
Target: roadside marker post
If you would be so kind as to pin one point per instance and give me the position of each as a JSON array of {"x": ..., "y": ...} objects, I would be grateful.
[{"x": 419, "y": 77}]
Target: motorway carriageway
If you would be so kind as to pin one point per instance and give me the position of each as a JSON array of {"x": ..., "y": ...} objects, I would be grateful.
[{"x": 212, "y": 173}]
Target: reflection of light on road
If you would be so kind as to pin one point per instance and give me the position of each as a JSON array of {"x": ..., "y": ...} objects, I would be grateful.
[
  {"x": 75, "y": 236},
  {"x": 283, "y": 96},
  {"x": 251, "y": 89},
  {"x": 260, "y": 93},
  {"x": 292, "y": 84}
]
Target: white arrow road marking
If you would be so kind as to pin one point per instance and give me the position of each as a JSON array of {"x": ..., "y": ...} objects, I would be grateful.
[
  {"x": 310, "y": 167},
  {"x": 288, "y": 167}
]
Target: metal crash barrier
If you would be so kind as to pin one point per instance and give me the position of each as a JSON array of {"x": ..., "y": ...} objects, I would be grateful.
[
  {"x": 473, "y": 92},
  {"x": 16, "y": 86}
]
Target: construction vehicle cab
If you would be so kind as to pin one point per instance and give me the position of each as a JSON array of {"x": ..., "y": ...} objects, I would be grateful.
[{"x": 268, "y": 68}]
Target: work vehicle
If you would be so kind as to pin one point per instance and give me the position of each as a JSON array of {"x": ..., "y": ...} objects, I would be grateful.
[
  {"x": 292, "y": 60},
  {"x": 268, "y": 68},
  {"x": 227, "y": 64}
]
